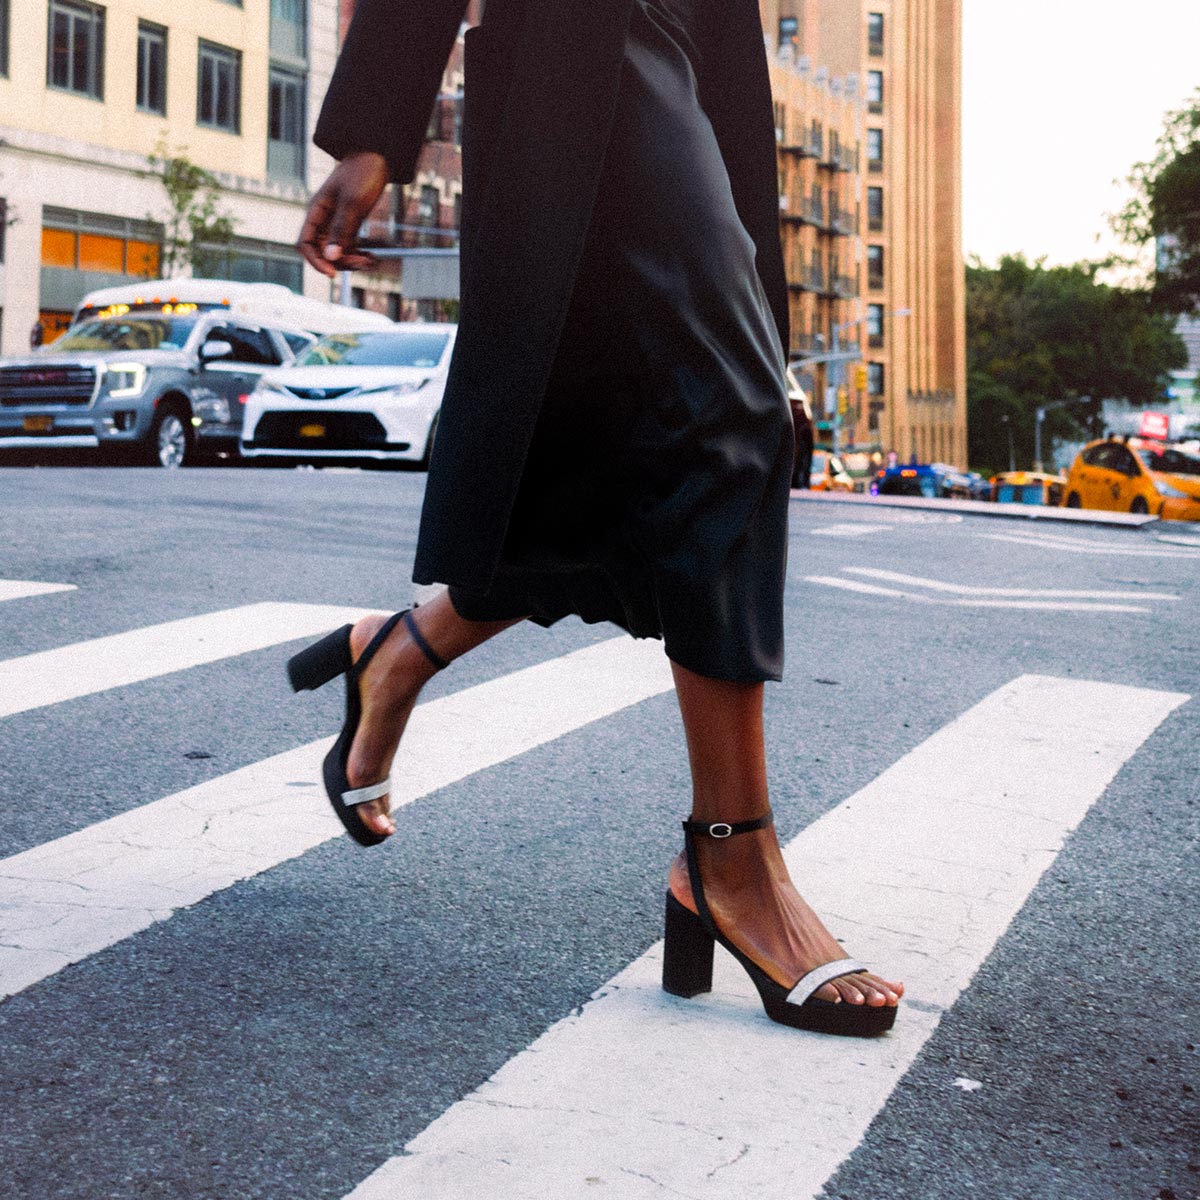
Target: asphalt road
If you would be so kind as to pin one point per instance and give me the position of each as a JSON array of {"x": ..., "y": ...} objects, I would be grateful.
[{"x": 286, "y": 1035}]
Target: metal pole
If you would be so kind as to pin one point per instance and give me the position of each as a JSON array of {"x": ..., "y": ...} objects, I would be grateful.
[
  {"x": 1039, "y": 417},
  {"x": 835, "y": 371},
  {"x": 345, "y": 295}
]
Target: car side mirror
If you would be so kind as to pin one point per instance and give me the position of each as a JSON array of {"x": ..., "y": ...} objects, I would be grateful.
[{"x": 217, "y": 348}]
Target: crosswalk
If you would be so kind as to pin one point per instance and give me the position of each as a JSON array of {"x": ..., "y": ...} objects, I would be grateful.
[{"x": 976, "y": 813}]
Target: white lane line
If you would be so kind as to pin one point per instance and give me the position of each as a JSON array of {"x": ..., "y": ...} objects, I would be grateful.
[
  {"x": 1050, "y": 542},
  {"x": 82, "y": 668},
  {"x": 640, "y": 1095},
  {"x": 873, "y": 589},
  {"x": 69, "y": 898},
  {"x": 18, "y": 589},
  {"x": 962, "y": 589},
  {"x": 849, "y": 530}
]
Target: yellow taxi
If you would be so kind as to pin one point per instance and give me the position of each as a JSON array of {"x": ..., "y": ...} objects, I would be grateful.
[
  {"x": 829, "y": 473},
  {"x": 1028, "y": 487},
  {"x": 1125, "y": 476}
]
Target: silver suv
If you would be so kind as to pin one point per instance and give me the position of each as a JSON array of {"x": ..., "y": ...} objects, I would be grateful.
[{"x": 164, "y": 382}]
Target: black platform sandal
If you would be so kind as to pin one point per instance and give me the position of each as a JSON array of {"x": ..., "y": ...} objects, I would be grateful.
[
  {"x": 688, "y": 958},
  {"x": 316, "y": 666}
]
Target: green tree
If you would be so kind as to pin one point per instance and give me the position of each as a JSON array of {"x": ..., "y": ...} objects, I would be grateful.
[
  {"x": 1163, "y": 213},
  {"x": 196, "y": 228},
  {"x": 1057, "y": 338}
]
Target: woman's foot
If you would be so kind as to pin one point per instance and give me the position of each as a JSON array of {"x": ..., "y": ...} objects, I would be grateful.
[
  {"x": 388, "y": 688},
  {"x": 756, "y": 906}
]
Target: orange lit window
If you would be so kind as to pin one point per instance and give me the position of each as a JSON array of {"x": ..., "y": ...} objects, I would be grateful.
[
  {"x": 143, "y": 258},
  {"x": 58, "y": 248},
  {"x": 99, "y": 253}
]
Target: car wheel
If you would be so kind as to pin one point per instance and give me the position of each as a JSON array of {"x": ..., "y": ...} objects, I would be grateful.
[
  {"x": 1073, "y": 500},
  {"x": 429, "y": 441},
  {"x": 170, "y": 444},
  {"x": 1139, "y": 506}
]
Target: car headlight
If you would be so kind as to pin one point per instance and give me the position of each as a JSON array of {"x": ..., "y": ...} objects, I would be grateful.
[
  {"x": 396, "y": 391},
  {"x": 214, "y": 409},
  {"x": 125, "y": 379},
  {"x": 1165, "y": 489}
]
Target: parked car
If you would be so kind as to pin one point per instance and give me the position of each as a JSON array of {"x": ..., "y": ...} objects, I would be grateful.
[
  {"x": 1028, "y": 487},
  {"x": 1114, "y": 475},
  {"x": 163, "y": 381},
  {"x": 929, "y": 480},
  {"x": 372, "y": 396}
]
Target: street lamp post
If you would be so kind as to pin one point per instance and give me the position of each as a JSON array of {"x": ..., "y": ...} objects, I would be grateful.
[{"x": 837, "y": 364}]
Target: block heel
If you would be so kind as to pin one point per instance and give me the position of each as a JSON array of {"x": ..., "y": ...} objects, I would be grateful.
[
  {"x": 314, "y": 667},
  {"x": 688, "y": 957},
  {"x": 687, "y": 953},
  {"x": 317, "y": 664}
]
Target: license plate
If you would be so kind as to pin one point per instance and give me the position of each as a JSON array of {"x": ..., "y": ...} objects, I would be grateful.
[
  {"x": 312, "y": 431},
  {"x": 39, "y": 424}
]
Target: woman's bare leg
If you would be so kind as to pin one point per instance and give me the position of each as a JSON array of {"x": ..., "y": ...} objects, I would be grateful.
[
  {"x": 746, "y": 881},
  {"x": 391, "y": 684}
]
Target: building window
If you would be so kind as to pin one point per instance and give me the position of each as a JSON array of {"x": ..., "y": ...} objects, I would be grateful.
[
  {"x": 789, "y": 34},
  {"x": 875, "y": 379},
  {"x": 875, "y": 325},
  {"x": 4, "y": 24},
  {"x": 429, "y": 205},
  {"x": 875, "y": 91},
  {"x": 874, "y": 149},
  {"x": 152, "y": 68},
  {"x": 249, "y": 260},
  {"x": 285, "y": 124},
  {"x": 395, "y": 306},
  {"x": 875, "y": 34},
  {"x": 875, "y": 267},
  {"x": 218, "y": 94},
  {"x": 289, "y": 20},
  {"x": 76, "y": 54},
  {"x": 875, "y": 209},
  {"x": 95, "y": 242}
]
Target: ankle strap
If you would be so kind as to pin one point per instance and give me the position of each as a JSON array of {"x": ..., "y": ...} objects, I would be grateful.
[
  {"x": 422, "y": 645},
  {"x": 719, "y": 830},
  {"x": 724, "y": 829}
]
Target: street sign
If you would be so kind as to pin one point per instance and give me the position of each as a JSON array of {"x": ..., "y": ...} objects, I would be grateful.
[{"x": 1155, "y": 425}]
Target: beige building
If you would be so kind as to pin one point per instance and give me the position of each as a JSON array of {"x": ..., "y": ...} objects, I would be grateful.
[
  {"x": 868, "y": 118},
  {"x": 88, "y": 90}
]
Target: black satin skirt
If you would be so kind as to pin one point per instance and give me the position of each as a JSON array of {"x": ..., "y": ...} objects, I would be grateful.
[{"x": 655, "y": 493}]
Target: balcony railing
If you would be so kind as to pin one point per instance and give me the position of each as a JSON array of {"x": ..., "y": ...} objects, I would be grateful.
[
  {"x": 812, "y": 279},
  {"x": 812, "y": 211},
  {"x": 843, "y": 221}
]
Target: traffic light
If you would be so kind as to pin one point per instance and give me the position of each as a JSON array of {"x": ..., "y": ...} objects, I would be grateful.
[{"x": 861, "y": 378}]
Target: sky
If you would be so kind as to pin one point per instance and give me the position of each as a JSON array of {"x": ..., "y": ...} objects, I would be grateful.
[{"x": 1060, "y": 99}]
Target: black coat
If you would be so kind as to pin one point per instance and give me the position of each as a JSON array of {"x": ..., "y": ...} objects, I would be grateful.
[{"x": 540, "y": 91}]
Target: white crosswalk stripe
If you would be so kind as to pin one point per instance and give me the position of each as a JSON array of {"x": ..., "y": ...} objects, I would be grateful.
[
  {"x": 71, "y": 897},
  {"x": 18, "y": 589},
  {"x": 965, "y": 596},
  {"x": 1044, "y": 540},
  {"x": 83, "y": 668},
  {"x": 848, "y": 530},
  {"x": 603, "y": 1102}
]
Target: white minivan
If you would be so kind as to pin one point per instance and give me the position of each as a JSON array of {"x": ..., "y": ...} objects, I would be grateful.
[{"x": 371, "y": 395}]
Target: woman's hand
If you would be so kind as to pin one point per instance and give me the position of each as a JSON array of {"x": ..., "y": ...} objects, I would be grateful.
[{"x": 338, "y": 209}]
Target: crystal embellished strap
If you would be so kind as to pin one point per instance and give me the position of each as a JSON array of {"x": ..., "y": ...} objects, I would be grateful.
[
  {"x": 372, "y": 792},
  {"x": 819, "y": 976}
]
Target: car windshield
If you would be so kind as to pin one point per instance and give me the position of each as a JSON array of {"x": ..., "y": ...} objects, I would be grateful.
[
  {"x": 383, "y": 349},
  {"x": 1173, "y": 462},
  {"x": 127, "y": 333}
]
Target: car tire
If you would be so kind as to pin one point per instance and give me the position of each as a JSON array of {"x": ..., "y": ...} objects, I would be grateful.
[
  {"x": 171, "y": 444},
  {"x": 1073, "y": 500},
  {"x": 424, "y": 464},
  {"x": 1139, "y": 506}
]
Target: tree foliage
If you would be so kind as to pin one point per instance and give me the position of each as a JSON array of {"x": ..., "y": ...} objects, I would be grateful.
[
  {"x": 1055, "y": 337},
  {"x": 1164, "y": 210},
  {"x": 196, "y": 227}
]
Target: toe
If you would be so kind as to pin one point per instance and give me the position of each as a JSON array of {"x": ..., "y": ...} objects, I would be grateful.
[{"x": 376, "y": 818}]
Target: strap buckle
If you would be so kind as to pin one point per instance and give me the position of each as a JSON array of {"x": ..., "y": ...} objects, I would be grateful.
[{"x": 720, "y": 829}]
